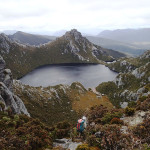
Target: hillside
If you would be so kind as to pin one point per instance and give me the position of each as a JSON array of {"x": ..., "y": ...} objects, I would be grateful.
[
  {"x": 30, "y": 39},
  {"x": 129, "y": 49},
  {"x": 70, "y": 48},
  {"x": 67, "y": 102},
  {"x": 139, "y": 37},
  {"x": 132, "y": 81}
]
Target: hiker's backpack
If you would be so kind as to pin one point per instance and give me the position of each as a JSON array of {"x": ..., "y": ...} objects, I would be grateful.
[{"x": 80, "y": 125}]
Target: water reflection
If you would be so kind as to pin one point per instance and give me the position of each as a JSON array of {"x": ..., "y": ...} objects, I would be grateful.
[{"x": 89, "y": 75}]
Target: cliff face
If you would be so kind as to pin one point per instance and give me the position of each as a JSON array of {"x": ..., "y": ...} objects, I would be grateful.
[{"x": 7, "y": 97}]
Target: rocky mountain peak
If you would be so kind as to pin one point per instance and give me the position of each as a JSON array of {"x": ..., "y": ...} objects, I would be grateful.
[
  {"x": 75, "y": 35},
  {"x": 73, "y": 32}
]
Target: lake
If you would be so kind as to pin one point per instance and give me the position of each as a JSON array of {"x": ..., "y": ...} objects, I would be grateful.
[{"x": 90, "y": 75}]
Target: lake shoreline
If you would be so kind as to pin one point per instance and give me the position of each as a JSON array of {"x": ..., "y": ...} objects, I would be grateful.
[
  {"x": 61, "y": 64},
  {"x": 88, "y": 74}
]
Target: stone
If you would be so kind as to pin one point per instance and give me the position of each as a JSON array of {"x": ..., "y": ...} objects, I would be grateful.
[
  {"x": 6, "y": 91},
  {"x": 12, "y": 101}
]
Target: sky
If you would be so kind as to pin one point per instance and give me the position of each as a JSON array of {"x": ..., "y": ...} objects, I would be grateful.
[{"x": 88, "y": 16}]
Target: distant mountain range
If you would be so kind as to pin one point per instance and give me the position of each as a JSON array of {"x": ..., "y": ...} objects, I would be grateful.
[
  {"x": 129, "y": 41},
  {"x": 31, "y": 39},
  {"x": 138, "y": 37},
  {"x": 129, "y": 49},
  {"x": 70, "y": 48},
  {"x": 9, "y": 32}
]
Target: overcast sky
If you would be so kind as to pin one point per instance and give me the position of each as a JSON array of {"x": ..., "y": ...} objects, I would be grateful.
[{"x": 89, "y": 16}]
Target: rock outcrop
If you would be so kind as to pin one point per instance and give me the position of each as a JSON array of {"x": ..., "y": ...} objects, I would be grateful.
[{"x": 7, "y": 97}]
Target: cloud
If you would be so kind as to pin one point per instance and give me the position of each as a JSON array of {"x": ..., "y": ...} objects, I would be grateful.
[{"x": 66, "y": 14}]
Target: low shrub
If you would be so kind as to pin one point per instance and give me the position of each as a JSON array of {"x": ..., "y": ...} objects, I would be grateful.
[
  {"x": 94, "y": 148},
  {"x": 116, "y": 121},
  {"x": 63, "y": 125},
  {"x": 16, "y": 117},
  {"x": 109, "y": 116},
  {"x": 96, "y": 113},
  {"x": 11, "y": 124},
  {"x": 83, "y": 147},
  {"x": 61, "y": 133},
  {"x": 144, "y": 105},
  {"x": 94, "y": 141},
  {"x": 141, "y": 99},
  {"x": 23, "y": 132},
  {"x": 129, "y": 111},
  {"x": 142, "y": 131},
  {"x": 6, "y": 118},
  {"x": 9, "y": 111},
  {"x": 132, "y": 104},
  {"x": 60, "y": 130},
  {"x": 110, "y": 138}
]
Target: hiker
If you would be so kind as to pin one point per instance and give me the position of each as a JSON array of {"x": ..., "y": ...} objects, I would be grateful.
[{"x": 80, "y": 126}]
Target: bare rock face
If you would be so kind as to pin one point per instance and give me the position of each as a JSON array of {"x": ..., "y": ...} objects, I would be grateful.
[
  {"x": 2, "y": 67},
  {"x": 4, "y": 43},
  {"x": 5, "y": 75},
  {"x": 7, "y": 96}
]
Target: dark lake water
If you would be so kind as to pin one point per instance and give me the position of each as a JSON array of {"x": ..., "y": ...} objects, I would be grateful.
[{"x": 90, "y": 75}]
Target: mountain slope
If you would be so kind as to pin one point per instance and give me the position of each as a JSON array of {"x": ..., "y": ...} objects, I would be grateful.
[
  {"x": 31, "y": 39},
  {"x": 67, "y": 102},
  {"x": 70, "y": 48},
  {"x": 127, "y": 48},
  {"x": 132, "y": 82}
]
